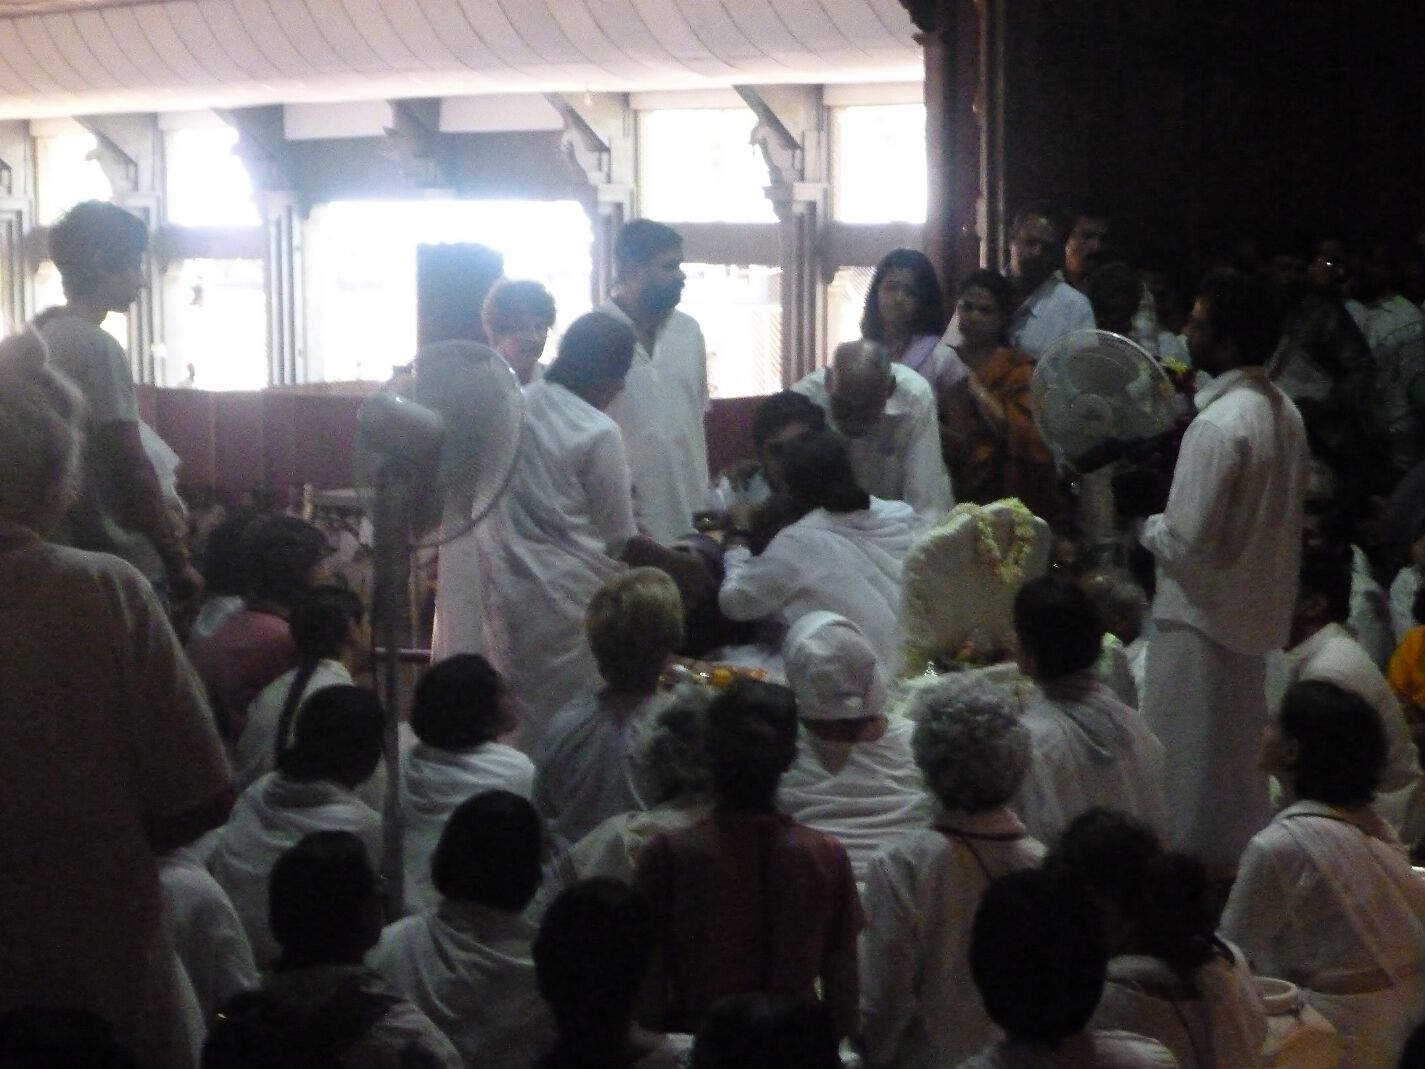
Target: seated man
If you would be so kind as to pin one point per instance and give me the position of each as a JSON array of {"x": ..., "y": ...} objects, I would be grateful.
[
  {"x": 468, "y": 963},
  {"x": 886, "y": 413},
  {"x": 854, "y": 776}
]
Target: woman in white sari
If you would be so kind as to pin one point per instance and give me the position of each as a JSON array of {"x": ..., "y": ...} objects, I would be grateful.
[{"x": 1325, "y": 896}]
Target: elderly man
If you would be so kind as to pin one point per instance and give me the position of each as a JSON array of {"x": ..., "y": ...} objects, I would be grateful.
[
  {"x": 660, "y": 412},
  {"x": 886, "y": 413}
]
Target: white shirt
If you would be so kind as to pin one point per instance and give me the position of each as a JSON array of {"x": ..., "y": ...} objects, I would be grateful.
[
  {"x": 1228, "y": 544},
  {"x": 918, "y": 1001},
  {"x": 255, "y": 753},
  {"x": 206, "y": 931},
  {"x": 469, "y": 968},
  {"x": 1370, "y": 611},
  {"x": 864, "y": 793},
  {"x": 1088, "y": 749},
  {"x": 899, "y": 458},
  {"x": 660, "y": 413},
  {"x": 842, "y": 562},
  {"x": 270, "y": 817},
  {"x": 544, "y": 551},
  {"x": 1402, "y": 602},
  {"x": 588, "y": 768},
  {"x": 1333, "y": 656},
  {"x": 433, "y": 783}
]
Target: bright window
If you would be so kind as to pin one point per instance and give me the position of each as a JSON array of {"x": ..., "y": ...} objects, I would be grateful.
[
  {"x": 67, "y": 173},
  {"x": 845, "y": 303},
  {"x": 208, "y": 184},
  {"x": 739, "y": 308},
  {"x": 699, "y": 166},
  {"x": 878, "y": 163},
  {"x": 215, "y": 337},
  {"x": 361, "y": 271}
]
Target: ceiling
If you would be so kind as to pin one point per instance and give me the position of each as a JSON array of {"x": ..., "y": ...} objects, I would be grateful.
[{"x": 68, "y": 57}]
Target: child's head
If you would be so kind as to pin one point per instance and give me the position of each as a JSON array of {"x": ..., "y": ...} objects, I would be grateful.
[
  {"x": 1059, "y": 632},
  {"x": 752, "y": 740},
  {"x": 326, "y": 622},
  {"x": 969, "y": 744},
  {"x": 763, "y": 1031},
  {"x": 490, "y": 852},
  {"x": 460, "y": 703},
  {"x": 1327, "y": 744},
  {"x": 338, "y": 737},
  {"x": 324, "y": 901},
  {"x": 634, "y": 622},
  {"x": 1038, "y": 957}
]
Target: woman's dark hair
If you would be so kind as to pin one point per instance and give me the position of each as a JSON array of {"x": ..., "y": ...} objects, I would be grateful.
[
  {"x": 930, "y": 315},
  {"x": 751, "y": 741},
  {"x": 459, "y": 703},
  {"x": 591, "y": 956},
  {"x": 490, "y": 852},
  {"x": 1341, "y": 744},
  {"x": 781, "y": 410},
  {"x": 281, "y": 552},
  {"x": 817, "y": 471},
  {"x": 993, "y": 283},
  {"x": 337, "y": 737},
  {"x": 319, "y": 898},
  {"x": 596, "y": 350},
  {"x": 1161, "y": 896},
  {"x": 1038, "y": 957},
  {"x": 321, "y": 621},
  {"x": 1057, "y": 626},
  {"x": 766, "y": 1031}
]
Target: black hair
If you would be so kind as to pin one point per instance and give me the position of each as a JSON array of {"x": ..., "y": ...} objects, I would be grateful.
[
  {"x": 995, "y": 284},
  {"x": 596, "y": 350},
  {"x": 817, "y": 471},
  {"x": 318, "y": 900},
  {"x": 639, "y": 241},
  {"x": 1241, "y": 310},
  {"x": 224, "y": 556},
  {"x": 507, "y": 301},
  {"x": 783, "y": 409},
  {"x": 1327, "y": 570},
  {"x": 459, "y": 703},
  {"x": 490, "y": 852},
  {"x": 1085, "y": 207},
  {"x": 1041, "y": 209},
  {"x": 930, "y": 315},
  {"x": 94, "y": 239},
  {"x": 49, "y": 1037},
  {"x": 1417, "y": 606},
  {"x": 1161, "y": 896},
  {"x": 751, "y": 741},
  {"x": 1057, "y": 626},
  {"x": 1341, "y": 744},
  {"x": 1038, "y": 957},
  {"x": 281, "y": 552},
  {"x": 338, "y": 737},
  {"x": 321, "y": 623},
  {"x": 766, "y": 1031},
  {"x": 1114, "y": 291},
  {"x": 592, "y": 953}
]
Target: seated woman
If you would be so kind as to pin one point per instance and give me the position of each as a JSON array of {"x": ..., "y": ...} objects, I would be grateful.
[
  {"x": 991, "y": 444},
  {"x": 1089, "y": 749},
  {"x": 335, "y": 747},
  {"x": 461, "y": 709},
  {"x": 1169, "y": 975},
  {"x": 854, "y": 776},
  {"x": 918, "y": 1003},
  {"x": 587, "y": 766},
  {"x": 906, "y": 313},
  {"x": 844, "y": 555},
  {"x": 1325, "y": 896}
]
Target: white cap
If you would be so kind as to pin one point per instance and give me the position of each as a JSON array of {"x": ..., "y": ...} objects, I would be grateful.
[{"x": 833, "y": 669}]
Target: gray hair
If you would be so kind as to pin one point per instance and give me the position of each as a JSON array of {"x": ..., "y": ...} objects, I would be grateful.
[
  {"x": 674, "y": 758},
  {"x": 851, "y": 357},
  {"x": 969, "y": 743},
  {"x": 41, "y": 416}
]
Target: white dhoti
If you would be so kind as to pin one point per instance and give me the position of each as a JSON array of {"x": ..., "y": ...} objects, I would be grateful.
[{"x": 1208, "y": 706}]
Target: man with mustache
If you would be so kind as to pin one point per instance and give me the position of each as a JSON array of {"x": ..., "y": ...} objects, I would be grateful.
[{"x": 660, "y": 411}]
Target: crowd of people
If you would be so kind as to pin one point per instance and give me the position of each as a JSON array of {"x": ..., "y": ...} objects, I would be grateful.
[{"x": 797, "y": 765}]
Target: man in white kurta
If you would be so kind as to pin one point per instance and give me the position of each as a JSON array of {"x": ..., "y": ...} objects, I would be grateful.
[
  {"x": 660, "y": 411},
  {"x": 886, "y": 414},
  {"x": 1228, "y": 547}
]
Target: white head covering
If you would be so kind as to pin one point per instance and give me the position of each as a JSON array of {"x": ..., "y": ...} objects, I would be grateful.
[{"x": 832, "y": 669}]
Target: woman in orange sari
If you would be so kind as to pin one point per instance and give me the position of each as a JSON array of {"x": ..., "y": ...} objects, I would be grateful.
[{"x": 987, "y": 431}]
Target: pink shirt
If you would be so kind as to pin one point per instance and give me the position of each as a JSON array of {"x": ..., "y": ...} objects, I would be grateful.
[{"x": 248, "y": 651}]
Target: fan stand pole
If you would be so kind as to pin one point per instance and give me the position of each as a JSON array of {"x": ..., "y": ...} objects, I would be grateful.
[{"x": 390, "y": 606}]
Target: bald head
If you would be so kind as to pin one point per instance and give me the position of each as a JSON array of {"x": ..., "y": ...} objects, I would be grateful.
[{"x": 859, "y": 383}]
